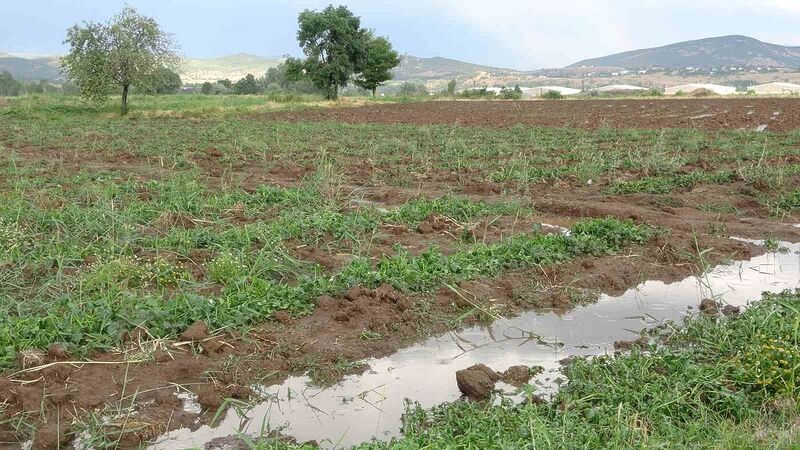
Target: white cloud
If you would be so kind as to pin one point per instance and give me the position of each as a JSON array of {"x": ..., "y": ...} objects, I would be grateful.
[{"x": 541, "y": 33}]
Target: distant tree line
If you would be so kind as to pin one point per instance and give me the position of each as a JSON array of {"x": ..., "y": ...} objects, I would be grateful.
[{"x": 276, "y": 79}]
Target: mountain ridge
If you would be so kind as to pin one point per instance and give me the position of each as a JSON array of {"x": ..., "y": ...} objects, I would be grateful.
[{"x": 729, "y": 50}]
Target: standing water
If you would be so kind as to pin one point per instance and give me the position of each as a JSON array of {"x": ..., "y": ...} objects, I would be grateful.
[{"x": 370, "y": 405}]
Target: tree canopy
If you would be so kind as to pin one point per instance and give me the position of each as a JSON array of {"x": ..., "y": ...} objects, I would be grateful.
[
  {"x": 162, "y": 81},
  {"x": 247, "y": 86},
  {"x": 9, "y": 87},
  {"x": 335, "y": 47},
  {"x": 126, "y": 51},
  {"x": 377, "y": 68}
]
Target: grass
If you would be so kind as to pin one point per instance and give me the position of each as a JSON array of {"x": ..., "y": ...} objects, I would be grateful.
[
  {"x": 86, "y": 273},
  {"x": 87, "y": 257},
  {"x": 787, "y": 203},
  {"x": 667, "y": 184}
]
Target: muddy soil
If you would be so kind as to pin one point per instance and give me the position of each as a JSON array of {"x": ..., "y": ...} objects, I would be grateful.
[{"x": 779, "y": 114}]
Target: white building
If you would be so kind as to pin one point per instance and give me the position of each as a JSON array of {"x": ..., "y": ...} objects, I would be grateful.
[
  {"x": 692, "y": 87},
  {"x": 776, "y": 89}
]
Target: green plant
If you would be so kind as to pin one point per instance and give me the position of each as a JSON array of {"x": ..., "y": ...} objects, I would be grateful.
[{"x": 552, "y": 95}]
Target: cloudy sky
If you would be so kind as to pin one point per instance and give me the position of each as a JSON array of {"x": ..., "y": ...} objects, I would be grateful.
[{"x": 523, "y": 34}]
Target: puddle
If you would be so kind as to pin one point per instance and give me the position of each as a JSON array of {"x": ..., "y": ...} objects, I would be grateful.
[{"x": 370, "y": 405}]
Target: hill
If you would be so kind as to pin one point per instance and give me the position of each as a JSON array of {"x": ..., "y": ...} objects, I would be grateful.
[
  {"x": 31, "y": 69},
  {"x": 237, "y": 66},
  {"x": 232, "y": 67},
  {"x": 739, "y": 51},
  {"x": 415, "y": 68}
]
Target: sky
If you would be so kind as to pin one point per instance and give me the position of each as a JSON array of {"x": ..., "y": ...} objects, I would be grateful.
[{"x": 516, "y": 34}]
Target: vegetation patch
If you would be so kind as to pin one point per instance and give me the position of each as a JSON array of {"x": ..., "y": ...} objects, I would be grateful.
[
  {"x": 667, "y": 184},
  {"x": 106, "y": 280}
]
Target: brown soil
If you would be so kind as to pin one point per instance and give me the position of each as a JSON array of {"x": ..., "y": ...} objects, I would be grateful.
[{"x": 700, "y": 113}]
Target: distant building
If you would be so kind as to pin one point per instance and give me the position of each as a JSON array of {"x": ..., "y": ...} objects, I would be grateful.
[
  {"x": 692, "y": 87},
  {"x": 775, "y": 89}
]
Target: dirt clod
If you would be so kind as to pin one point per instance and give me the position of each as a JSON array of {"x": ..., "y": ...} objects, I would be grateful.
[
  {"x": 196, "y": 332},
  {"x": 283, "y": 317},
  {"x": 208, "y": 397},
  {"x": 476, "y": 382},
  {"x": 731, "y": 311},
  {"x": 709, "y": 307},
  {"x": 520, "y": 375},
  {"x": 29, "y": 398},
  {"x": 57, "y": 351},
  {"x": 60, "y": 395},
  {"x": 51, "y": 436}
]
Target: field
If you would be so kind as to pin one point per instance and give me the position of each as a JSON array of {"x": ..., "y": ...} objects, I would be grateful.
[{"x": 205, "y": 247}]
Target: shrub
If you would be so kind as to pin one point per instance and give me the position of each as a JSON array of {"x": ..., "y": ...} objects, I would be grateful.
[
  {"x": 511, "y": 94},
  {"x": 552, "y": 95},
  {"x": 477, "y": 93}
]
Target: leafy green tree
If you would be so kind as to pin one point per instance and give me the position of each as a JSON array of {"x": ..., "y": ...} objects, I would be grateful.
[
  {"x": 162, "y": 81},
  {"x": 411, "y": 89},
  {"x": 226, "y": 83},
  {"x": 9, "y": 87},
  {"x": 377, "y": 69},
  {"x": 206, "y": 88},
  {"x": 246, "y": 86},
  {"x": 335, "y": 47},
  {"x": 451, "y": 87},
  {"x": 121, "y": 53}
]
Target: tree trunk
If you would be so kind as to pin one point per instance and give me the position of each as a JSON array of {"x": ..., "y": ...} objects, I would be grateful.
[
  {"x": 375, "y": 91},
  {"x": 335, "y": 92},
  {"x": 125, "y": 99}
]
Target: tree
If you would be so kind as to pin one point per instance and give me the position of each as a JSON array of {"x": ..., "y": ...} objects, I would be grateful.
[
  {"x": 335, "y": 46},
  {"x": 451, "y": 87},
  {"x": 246, "y": 85},
  {"x": 226, "y": 83},
  {"x": 206, "y": 88},
  {"x": 162, "y": 81},
  {"x": 411, "y": 89},
  {"x": 121, "y": 53},
  {"x": 278, "y": 76},
  {"x": 9, "y": 87},
  {"x": 377, "y": 69}
]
